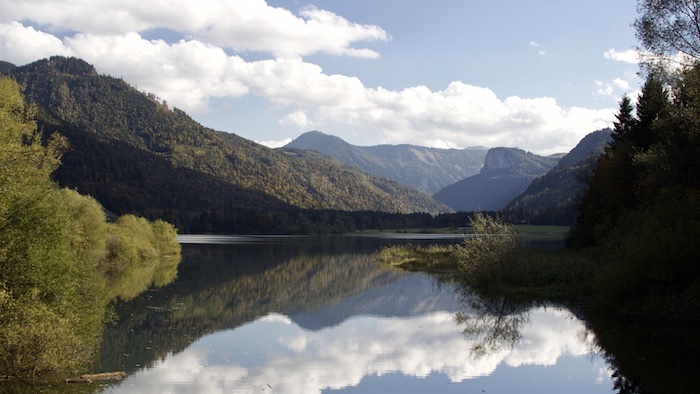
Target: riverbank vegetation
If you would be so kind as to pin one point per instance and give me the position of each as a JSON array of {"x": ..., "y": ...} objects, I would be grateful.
[
  {"x": 491, "y": 262},
  {"x": 61, "y": 261},
  {"x": 634, "y": 249}
]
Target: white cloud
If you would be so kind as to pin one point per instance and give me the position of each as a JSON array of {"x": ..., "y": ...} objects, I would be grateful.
[
  {"x": 241, "y": 25},
  {"x": 20, "y": 44},
  {"x": 189, "y": 73},
  {"x": 275, "y": 144},
  {"x": 631, "y": 56},
  {"x": 192, "y": 71},
  {"x": 540, "y": 50},
  {"x": 297, "y": 118}
]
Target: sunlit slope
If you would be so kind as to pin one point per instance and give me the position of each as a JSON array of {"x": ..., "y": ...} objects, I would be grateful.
[{"x": 233, "y": 172}]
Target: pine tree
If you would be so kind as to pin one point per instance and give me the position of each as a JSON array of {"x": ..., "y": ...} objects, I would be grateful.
[
  {"x": 625, "y": 121},
  {"x": 653, "y": 104}
]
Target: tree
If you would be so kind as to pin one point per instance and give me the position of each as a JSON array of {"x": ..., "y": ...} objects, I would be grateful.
[
  {"x": 652, "y": 105},
  {"x": 668, "y": 27},
  {"x": 625, "y": 121},
  {"x": 54, "y": 247}
]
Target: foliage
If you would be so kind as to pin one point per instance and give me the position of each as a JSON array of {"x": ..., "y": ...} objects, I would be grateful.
[
  {"x": 482, "y": 257},
  {"x": 642, "y": 206},
  {"x": 53, "y": 243},
  {"x": 139, "y": 254},
  {"x": 668, "y": 27},
  {"x": 490, "y": 262}
]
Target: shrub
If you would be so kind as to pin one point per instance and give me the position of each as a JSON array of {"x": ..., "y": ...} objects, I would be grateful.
[{"x": 482, "y": 258}]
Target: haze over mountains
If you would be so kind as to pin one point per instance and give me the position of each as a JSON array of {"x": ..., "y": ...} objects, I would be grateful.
[{"x": 135, "y": 154}]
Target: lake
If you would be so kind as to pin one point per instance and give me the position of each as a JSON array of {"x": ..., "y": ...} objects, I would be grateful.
[
  {"x": 318, "y": 315},
  {"x": 312, "y": 315}
]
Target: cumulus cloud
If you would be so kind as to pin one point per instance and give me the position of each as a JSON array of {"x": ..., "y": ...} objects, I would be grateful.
[
  {"x": 21, "y": 44},
  {"x": 241, "y": 25},
  {"x": 293, "y": 360},
  {"x": 208, "y": 63},
  {"x": 617, "y": 87}
]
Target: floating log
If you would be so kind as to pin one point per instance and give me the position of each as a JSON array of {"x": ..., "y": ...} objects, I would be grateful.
[{"x": 105, "y": 376}]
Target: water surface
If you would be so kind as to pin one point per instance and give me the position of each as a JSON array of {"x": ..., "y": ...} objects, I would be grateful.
[{"x": 317, "y": 315}]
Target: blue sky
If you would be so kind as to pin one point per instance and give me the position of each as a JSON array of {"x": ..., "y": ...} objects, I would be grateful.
[{"x": 538, "y": 75}]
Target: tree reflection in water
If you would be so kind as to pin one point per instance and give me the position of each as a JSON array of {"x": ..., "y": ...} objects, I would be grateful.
[{"x": 493, "y": 325}]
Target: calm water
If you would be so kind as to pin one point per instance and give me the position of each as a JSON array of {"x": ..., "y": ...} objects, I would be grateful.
[{"x": 317, "y": 315}]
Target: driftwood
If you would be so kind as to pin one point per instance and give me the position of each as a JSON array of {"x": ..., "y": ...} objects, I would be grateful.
[
  {"x": 89, "y": 378},
  {"x": 105, "y": 376}
]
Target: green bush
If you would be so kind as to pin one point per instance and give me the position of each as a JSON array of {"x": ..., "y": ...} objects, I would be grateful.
[
  {"x": 482, "y": 258},
  {"x": 58, "y": 253},
  {"x": 139, "y": 254}
]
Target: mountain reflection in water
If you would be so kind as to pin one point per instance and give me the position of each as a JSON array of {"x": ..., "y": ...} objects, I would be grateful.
[{"x": 308, "y": 316}]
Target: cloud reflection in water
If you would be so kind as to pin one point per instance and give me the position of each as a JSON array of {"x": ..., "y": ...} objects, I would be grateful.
[{"x": 273, "y": 353}]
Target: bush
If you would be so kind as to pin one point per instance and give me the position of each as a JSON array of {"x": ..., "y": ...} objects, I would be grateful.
[
  {"x": 139, "y": 254},
  {"x": 482, "y": 258}
]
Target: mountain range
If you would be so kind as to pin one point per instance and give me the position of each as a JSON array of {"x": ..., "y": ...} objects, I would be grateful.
[
  {"x": 426, "y": 169},
  {"x": 134, "y": 153}
]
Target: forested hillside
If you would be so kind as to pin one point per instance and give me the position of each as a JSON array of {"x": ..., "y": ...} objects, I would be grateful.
[
  {"x": 554, "y": 197},
  {"x": 135, "y": 154},
  {"x": 426, "y": 169}
]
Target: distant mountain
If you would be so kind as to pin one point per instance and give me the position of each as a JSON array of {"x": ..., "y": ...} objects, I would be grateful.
[
  {"x": 135, "y": 154},
  {"x": 553, "y": 198},
  {"x": 426, "y": 169},
  {"x": 506, "y": 173}
]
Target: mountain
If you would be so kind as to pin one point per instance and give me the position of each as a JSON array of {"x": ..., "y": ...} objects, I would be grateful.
[
  {"x": 426, "y": 169},
  {"x": 135, "y": 154},
  {"x": 553, "y": 198},
  {"x": 506, "y": 173}
]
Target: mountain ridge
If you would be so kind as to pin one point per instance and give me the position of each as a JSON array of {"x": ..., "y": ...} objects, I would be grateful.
[
  {"x": 553, "y": 198},
  {"x": 71, "y": 95},
  {"x": 506, "y": 173},
  {"x": 426, "y": 169}
]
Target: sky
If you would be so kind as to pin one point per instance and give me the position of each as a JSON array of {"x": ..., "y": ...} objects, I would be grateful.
[{"x": 538, "y": 75}]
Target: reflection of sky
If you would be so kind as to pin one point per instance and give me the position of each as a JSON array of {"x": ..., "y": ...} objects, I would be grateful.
[{"x": 364, "y": 354}]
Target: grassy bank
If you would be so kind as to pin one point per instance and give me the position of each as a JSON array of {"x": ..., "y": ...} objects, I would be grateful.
[{"x": 491, "y": 261}]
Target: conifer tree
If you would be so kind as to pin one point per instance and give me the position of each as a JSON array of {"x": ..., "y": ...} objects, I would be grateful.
[{"x": 625, "y": 121}]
